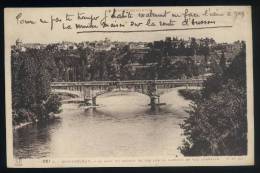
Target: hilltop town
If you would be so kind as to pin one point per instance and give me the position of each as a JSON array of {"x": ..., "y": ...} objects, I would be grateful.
[{"x": 113, "y": 60}]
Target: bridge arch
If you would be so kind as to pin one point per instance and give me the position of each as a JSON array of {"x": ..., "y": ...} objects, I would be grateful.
[
  {"x": 154, "y": 97},
  {"x": 115, "y": 91},
  {"x": 73, "y": 94}
]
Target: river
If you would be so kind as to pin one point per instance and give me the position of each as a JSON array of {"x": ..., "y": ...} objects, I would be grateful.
[{"x": 124, "y": 127}]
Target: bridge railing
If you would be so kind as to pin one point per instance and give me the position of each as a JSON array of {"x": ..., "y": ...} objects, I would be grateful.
[{"x": 129, "y": 82}]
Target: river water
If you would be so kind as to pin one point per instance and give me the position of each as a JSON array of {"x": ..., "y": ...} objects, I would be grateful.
[{"x": 124, "y": 127}]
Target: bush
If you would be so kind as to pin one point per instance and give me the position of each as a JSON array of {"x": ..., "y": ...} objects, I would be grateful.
[
  {"x": 23, "y": 115},
  {"x": 42, "y": 110},
  {"x": 190, "y": 94},
  {"x": 53, "y": 104}
]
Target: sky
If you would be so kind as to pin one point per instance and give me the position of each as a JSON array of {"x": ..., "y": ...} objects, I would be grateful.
[{"x": 219, "y": 34}]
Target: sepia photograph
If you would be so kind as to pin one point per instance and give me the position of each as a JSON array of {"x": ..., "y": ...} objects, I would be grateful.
[{"x": 129, "y": 86}]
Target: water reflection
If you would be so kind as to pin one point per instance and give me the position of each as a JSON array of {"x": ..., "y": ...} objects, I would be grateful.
[
  {"x": 34, "y": 138},
  {"x": 125, "y": 126}
]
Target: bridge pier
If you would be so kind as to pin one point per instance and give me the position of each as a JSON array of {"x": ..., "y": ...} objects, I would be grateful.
[
  {"x": 94, "y": 101},
  {"x": 154, "y": 101},
  {"x": 86, "y": 101}
]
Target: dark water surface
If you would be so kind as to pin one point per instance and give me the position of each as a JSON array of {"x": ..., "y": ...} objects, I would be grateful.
[{"x": 125, "y": 127}]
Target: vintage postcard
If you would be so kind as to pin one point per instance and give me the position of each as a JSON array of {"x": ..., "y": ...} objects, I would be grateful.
[{"x": 129, "y": 86}]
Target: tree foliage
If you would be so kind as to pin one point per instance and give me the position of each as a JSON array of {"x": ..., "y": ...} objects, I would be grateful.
[
  {"x": 32, "y": 72},
  {"x": 217, "y": 124}
]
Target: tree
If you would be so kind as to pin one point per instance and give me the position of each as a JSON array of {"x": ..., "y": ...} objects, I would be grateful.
[
  {"x": 31, "y": 77},
  {"x": 42, "y": 82},
  {"x": 218, "y": 123},
  {"x": 24, "y": 85},
  {"x": 193, "y": 46},
  {"x": 222, "y": 62}
]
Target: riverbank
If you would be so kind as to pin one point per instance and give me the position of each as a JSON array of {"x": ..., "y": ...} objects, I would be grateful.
[
  {"x": 52, "y": 117},
  {"x": 21, "y": 125},
  {"x": 190, "y": 94}
]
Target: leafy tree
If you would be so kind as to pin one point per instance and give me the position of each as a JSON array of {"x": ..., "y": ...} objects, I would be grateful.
[
  {"x": 42, "y": 81},
  {"x": 31, "y": 76},
  {"x": 194, "y": 46},
  {"x": 222, "y": 62},
  {"x": 24, "y": 87},
  {"x": 218, "y": 123}
]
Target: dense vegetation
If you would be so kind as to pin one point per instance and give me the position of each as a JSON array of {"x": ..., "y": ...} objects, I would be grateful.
[
  {"x": 163, "y": 60},
  {"x": 190, "y": 94},
  {"x": 84, "y": 65},
  {"x": 31, "y": 98},
  {"x": 218, "y": 122}
]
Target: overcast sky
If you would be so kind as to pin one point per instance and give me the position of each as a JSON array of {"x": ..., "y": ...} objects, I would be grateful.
[{"x": 220, "y": 35}]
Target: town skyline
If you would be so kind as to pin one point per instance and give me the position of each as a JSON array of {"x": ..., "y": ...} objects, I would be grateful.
[{"x": 25, "y": 41}]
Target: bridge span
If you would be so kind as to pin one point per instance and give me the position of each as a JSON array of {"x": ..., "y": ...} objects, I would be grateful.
[{"x": 90, "y": 90}]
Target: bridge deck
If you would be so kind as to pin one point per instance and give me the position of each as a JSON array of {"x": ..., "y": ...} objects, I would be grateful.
[{"x": 128, "y": 82}]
